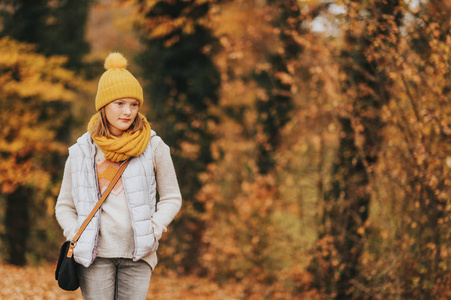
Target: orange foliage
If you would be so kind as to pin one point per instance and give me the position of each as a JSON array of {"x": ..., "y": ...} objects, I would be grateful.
[
  {"x": 30, "y": 86},
  {"x": 415, "y": 170},
  {"x": 254, "y": 222},
  {"x": 250, "y": 218}
]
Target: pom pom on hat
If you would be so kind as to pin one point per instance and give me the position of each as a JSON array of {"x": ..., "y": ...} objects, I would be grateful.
[
  {"x": 115, "y": 60},
  {"x": 117, "y": 82}
]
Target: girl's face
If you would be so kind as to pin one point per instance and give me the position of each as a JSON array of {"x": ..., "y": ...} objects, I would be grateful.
[{"x": 120, "y": 114}]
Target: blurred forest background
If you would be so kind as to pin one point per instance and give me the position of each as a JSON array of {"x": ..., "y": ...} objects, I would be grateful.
[{"x": 312, "y": 139}]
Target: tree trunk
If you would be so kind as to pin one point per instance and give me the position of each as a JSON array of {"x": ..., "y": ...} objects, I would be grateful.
[{"x": 17, "y": 225}]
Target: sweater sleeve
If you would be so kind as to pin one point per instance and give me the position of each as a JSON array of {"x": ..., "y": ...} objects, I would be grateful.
[
  {"x": 170, "y": 197},
  {"x": 65, "y": 211}
]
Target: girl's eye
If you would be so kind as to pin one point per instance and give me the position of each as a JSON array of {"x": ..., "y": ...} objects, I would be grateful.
[{"x": 135, "y": 104}]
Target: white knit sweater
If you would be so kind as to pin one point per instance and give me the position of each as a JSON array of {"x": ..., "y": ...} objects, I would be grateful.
[{"x": 116, "y": 233}]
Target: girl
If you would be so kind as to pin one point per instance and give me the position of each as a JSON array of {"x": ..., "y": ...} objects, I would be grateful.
[{"x": 117, "y": 251}]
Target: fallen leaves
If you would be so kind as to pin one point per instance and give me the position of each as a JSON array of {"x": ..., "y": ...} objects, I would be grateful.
[{"x": 38, "y": 282}]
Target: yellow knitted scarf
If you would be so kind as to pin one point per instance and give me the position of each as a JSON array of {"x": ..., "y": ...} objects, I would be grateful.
[{"x": 120, "y": 148}]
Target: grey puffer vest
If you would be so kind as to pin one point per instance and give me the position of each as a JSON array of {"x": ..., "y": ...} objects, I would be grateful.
[{"x": 140, "y": 190}]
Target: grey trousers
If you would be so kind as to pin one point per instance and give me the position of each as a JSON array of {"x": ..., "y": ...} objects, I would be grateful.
[{"x": 115, "y": 278}]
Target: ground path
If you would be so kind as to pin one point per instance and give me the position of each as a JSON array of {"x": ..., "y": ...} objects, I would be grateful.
[{"x": 38, "y": 283}]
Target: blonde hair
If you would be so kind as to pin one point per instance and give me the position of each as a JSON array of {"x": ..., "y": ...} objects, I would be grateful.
[{"x": 100, "y": 128}]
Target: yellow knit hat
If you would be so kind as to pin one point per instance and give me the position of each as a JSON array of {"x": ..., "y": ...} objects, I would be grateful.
[{"x": 117, "y": 82}]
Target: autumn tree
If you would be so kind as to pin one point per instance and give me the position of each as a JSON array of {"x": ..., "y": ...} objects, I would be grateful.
[
  {"x": 276, "y": 104},
  {"x": 235, "y": 239},
  {"x": 417, "y": 155},
  {"x": 366, "y": 87},
  {"x": 55, "y": 27},
  {"x": 182, "y": 83},
  {"x": 34, "y": 89},
  {"x": 252, "y": 232}
]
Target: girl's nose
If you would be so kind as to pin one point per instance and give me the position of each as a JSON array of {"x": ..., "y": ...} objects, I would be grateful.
[{"x": 127, "y": 109}]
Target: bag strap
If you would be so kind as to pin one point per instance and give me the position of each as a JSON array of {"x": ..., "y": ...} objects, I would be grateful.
[{"x": 94, "y": 210}]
